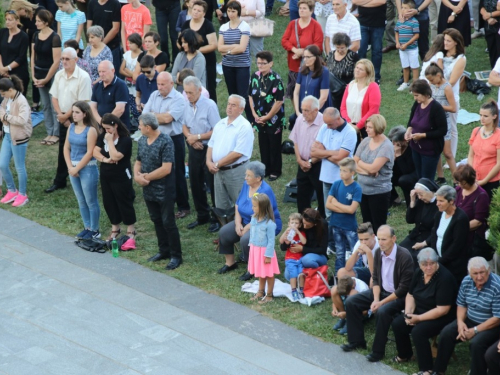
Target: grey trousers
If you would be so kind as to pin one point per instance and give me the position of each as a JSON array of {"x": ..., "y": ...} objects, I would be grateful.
[
  {"x": 228, "y": 186},
  {"x": 49, "y": 115},
  {"x": 391, "y": 13},
  {"x": 434, "y": 7}
]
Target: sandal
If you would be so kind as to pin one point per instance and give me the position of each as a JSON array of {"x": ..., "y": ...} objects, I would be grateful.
[
  {"x": 396, "y": 359},
  {"x": 115, "y": 232},
  {"x": 35, "y": 108},
  {"x": 44, "y": 141},
  {"x": 260, "y": 294},
  {"x": 132, "y": 234},
  {"x": 268, "y": 298}
]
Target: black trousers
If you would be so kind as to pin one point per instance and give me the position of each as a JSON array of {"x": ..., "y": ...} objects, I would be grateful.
[
  {"x": 490, "y": 186},
  {"x": 406, "y": 182},
  {"x": 354, "y": 307},
  {"x": 493, "y": 44},
  {"x": 423, "y": 39},
  {"x": 163, "y": 217},
  {"x": 492, "y": 358},
  {"x": 62, "y": 168},
  {"x": 420, "y": 334},
  {"x": 477, "y": 347},
  {"x": 270, "y": 151},
  {"x": 198, "y": 174},
  {"x": 374, "y": 209},
  {"x": 307, "y": 184},
  {"x": 118, "y": 200},
  {"x": 182, "y": 195}
]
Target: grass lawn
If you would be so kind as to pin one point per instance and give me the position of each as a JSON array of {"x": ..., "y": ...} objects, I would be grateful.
[{"x": 59, "y": 210}]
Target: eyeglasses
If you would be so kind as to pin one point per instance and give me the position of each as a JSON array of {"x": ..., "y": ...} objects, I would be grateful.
[
  {"x": 146, "y": 71},
  {"x": 307, "y": 57},
  {"x": 65, "y": 59}
]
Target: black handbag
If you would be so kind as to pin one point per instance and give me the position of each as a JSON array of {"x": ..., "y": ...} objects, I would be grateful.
[{"x": 337, "y": 86}]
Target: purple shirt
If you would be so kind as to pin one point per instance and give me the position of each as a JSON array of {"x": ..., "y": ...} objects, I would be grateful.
[
  {"x": 304, "y": 134},
  {"x": 420, "y": 124},
  {"x": 476, "y": 206},
  {"x": 387, "y": 271}
]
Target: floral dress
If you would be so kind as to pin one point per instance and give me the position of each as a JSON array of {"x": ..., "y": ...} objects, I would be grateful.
[
  {"x": 265, "y": 91},
  {"x": 94, "y": 62}
]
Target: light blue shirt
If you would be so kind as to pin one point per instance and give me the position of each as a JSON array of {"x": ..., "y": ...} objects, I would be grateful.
[
  {"x": 201, "y": 117},
  {"x": 69, "y": 25},
  {"x": 262, "y": 234},
  {"x": 174, "y": 103},
  {"x": 481, "y": 304},
  {"x": 343, "y": 138}
]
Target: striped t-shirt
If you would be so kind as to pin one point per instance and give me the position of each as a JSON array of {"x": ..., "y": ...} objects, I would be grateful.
[
  {"x": 481, "y": 304},
  {"x": 406, "y": 30},
  {"x": 69, "y": 25},
  {"x": 233, "y": 36}
]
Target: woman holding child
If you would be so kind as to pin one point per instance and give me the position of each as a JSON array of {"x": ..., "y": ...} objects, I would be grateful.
[{"x": 237, "y": 230}]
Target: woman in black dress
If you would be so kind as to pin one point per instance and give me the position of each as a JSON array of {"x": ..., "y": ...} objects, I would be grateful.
[
  {"x": 14, "y": 45},
  {"x": 341, "y": 63},
  {"x": 206, "y": 30},
  {"x": 114, "y": 149},
  {"x": 46, "y": 54},
  {"x": 456, "y": 15}
]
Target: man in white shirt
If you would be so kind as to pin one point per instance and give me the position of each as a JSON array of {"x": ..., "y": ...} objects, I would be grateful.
[
  {"x": 342, "y": 21},
  {"x": 229, "y": 150}
]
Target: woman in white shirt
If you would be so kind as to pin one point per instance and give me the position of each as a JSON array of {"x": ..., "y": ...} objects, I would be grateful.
[{"x": 127, "y": 69}]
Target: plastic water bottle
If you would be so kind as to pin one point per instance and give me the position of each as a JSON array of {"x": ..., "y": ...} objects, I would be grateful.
[
  {"x": 291, "y": 234},
  {"x": 114, "y": 248}
]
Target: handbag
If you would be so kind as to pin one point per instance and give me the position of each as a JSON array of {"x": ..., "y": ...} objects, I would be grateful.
[
  {"x": 261, "y": 27},
  {"x": 93, "y": 245},
  {"x": 337, "y": 86},
  {"x": 315, "y": 284}
]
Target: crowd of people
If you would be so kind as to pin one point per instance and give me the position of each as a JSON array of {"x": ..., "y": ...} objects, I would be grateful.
[{"x": 159, "y": 88}]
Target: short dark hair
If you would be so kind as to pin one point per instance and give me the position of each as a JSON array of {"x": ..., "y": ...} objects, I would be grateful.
[
  {"x": 265, "y": 55},
  {"x": 45, "y": 16},
  {"x": 421, "y": 86},
  {"x": 136, "y": 39},
  {"x": 184, "y": 73},
  {"x": 465, "y": 173},
  {"x": 411, "y": 3},
  {"x": 192, "y": 38},
  {"x": 341, "y": 39},
  {"x": 234, "y": 5},
  {"x": 147, "y": 61},
  {"x": 74, "y": 44},
  {"x": 345, "y": 285},
  {"x": 365, "y": 228},
  {"x": 202, "y": 4},
  {"x": 155, "y": 36}
]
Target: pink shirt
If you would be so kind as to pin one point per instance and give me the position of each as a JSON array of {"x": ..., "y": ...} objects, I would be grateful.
[
  {"x": 204, "y": 93},
  {"x": 387, "y": 271},
  {"x": 304, "y": 134}
]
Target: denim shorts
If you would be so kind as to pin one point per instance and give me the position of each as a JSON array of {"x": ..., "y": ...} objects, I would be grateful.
[
  {"x": 294, "y": 268},
  {"x": 363, "y": 273}
]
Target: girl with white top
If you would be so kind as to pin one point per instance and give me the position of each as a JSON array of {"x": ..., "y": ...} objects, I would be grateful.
[
  {"x": 70, "y": 22},
  {"x": 128, "y": 67},
  {"x": 453, "y": 66}
]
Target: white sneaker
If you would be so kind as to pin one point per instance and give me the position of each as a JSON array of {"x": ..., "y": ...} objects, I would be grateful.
[
  {"x": 330, "y": 251},
  {"x": 477, "y": 34},
  {"x": 404, "y": 86}
]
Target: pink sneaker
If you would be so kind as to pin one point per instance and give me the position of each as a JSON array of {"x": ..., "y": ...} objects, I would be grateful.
[
  {"x": 20, "y": 201},
  {"x": 9, "y": 197},
  {"x": 128, "y": 245}
]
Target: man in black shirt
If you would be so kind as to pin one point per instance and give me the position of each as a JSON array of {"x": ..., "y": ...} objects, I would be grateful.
[
  {"x": 372, "y": 17},
  {"x": 107, "y": 14},
  {"x": 167, "y": 12}
]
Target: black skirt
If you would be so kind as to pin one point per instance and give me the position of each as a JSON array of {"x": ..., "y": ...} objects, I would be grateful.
[{"x": 461, "y": 23}]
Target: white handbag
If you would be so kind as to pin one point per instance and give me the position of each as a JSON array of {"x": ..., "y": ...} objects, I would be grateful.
[{"x": 261, "y": 27}]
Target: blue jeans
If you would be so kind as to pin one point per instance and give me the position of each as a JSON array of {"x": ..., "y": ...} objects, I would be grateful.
[
  {"x": 425, "y": 165},
  {"x": 85, "y": 188},
  {"x": 331, "y": 239},
  {"x": 19, "y": 153},
  {"x": 372, "y": 36},
  {"x": 312, "y": 260},
  {"x": 166, "y": 20},
  {"x": 344, "y": 241},
  {"x": 293, "y": 268}
]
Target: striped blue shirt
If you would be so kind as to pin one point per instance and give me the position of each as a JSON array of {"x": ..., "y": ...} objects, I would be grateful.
[
  {"x": 69, "y": 25},
  {"x": 406, "y": 30},
  {"x": 481, "y": 304},
  {"x": 233, "y": 36}
]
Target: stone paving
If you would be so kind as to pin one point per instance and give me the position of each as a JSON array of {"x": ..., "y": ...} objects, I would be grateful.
[{"x": 65, "y": 311}]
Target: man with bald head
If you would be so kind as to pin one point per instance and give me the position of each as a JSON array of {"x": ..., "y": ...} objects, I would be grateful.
[
  {"x": 392, "y": 274},
  {"x": 70, "y": 84},
  {"x": 168, "y": 105},
  {"x": 110, "y": 95}
]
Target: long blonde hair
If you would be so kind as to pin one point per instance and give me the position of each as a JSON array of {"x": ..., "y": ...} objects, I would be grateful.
[
  {"x": 23, "y": 4},
  {"x": 265, "y": 207}
]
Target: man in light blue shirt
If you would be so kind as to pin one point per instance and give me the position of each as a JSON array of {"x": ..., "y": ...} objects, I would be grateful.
[{"x": 168, "y": 106}]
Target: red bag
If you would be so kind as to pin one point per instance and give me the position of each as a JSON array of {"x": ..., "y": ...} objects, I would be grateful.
[{"x": 316, "y": 283}]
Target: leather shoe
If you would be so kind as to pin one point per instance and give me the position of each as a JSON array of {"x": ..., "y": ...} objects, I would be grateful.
[
  {"x": 214, "y": 227},
  {"x": 351, "y": 347},
  {"x": 157, "y": 257},
  {"x": 227, "y": 268},
  {"x": 173, "y": 264},
  {"x": 388, "y": 49},
  {"x": 53, "y": 188},
  {"x": 246, "y": 276},
  {"x": 182, "y": 214},
  {"x": 372, "y": 357},
  {"x": 194, "y": 224}
]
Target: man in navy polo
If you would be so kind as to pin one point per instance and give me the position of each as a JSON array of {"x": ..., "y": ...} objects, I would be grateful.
[
  {"x": 146, "y": 82},
  {"x": 110, "y": 95}
]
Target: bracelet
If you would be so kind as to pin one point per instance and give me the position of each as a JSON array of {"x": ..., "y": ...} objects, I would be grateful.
[{"x": 453, "y": 14}]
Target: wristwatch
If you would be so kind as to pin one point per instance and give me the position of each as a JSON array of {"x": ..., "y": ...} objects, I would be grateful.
[
  {"x": 310, "y": 160},
  {"x": 453, "y": 14},
  {"x": 8, "y": 67},
  {"x": 418, "y": 11},
  {"x": 216, "y": 165},
  {"x": 199, "y": 136},
  {"x": 475, "y": 331}
]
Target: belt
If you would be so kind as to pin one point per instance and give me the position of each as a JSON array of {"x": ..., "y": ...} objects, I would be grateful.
[{"x": 228, "y": 167}]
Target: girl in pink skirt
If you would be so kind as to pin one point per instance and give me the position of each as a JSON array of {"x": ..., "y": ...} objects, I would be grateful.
[{"x": 262, "y": 260}]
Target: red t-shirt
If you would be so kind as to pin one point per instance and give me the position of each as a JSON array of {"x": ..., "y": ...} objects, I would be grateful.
[
  {"x": 296, "y": 241},
  {"x": 135, "y": 19}
]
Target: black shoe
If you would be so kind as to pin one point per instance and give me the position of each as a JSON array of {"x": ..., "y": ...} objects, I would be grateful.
[
  {"x": 227, "y": 268},
  {"x": 214, "y": 227},
  {"x": 440, "y": 181},
  {"x": 157, "y": 257},
  {"x": 400, "y": 81},
  {"x": 246, "y": 276},
  {"x": 269, "y": 11},
  {"x": 273, "y": 177},
  {"x": 372, "y": 357},
  {"x": 194, "y": 224},
  {"x": 173, "y": 264},
  {"x": 54, "y": 188},
  {"x": 351, "y": 347}
]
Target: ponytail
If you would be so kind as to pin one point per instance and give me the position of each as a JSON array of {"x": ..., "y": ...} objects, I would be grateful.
[
  {"x": 493, "y": 108},
  {"x": 13, "y": 82},
  {"x": 433, "y": 70}
]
